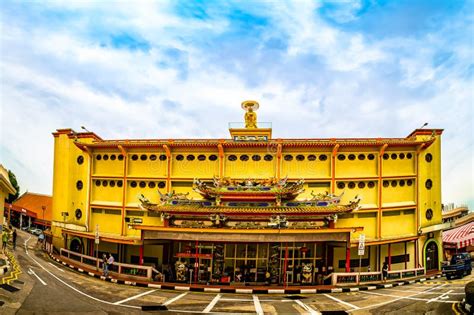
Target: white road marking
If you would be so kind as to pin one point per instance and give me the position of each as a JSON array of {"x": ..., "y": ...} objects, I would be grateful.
[
  {"x": 31, "y": 272},
  {"x": 398, "y": 297},
  {"x": 411, "y": 297},
  {"x": 213, "y": 302},
  {"x": 258, "y": 306},
  {"x": 73, "y": 288},
  {"x": 56, "y": 267},
  {"x": 134, "y": 297},
  {"x": 307, "y": 308},
  {"x": 414, "y": 291},
  {"x": 443, "y": 296},
  {"x": 174, "y": 299},
  {"x": 352, "y": 306}
]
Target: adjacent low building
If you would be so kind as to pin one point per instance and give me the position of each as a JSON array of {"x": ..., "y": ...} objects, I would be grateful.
[{"x": 236, "y": 208}]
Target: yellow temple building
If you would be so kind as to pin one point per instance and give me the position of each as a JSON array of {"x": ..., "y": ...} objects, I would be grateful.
[{"x": 251, "y": 204}]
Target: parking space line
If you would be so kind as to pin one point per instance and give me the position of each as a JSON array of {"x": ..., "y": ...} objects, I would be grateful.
[
  {"x": 31, "y": 272},
  {"x": 174, "y": 299},
  {"x": 258, "y": 306},
  {"x": 213, "y": 302},
  {"x": 441, "y": 296},
  {"x": 412, "y": 291},
  {"x": 134, "y": 297},
  {"x": 307, "y": 308},
  {"x": 410, "y": 297},
  {"x": 56, "y": 267},
  {"x": 342, "y": 302}
]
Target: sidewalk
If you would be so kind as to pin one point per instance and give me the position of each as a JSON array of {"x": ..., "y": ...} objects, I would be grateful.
[{"x": 243, "y": 289}]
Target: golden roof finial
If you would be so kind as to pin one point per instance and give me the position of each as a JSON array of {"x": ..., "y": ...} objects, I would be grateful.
[{"x": 250, "y": 116}]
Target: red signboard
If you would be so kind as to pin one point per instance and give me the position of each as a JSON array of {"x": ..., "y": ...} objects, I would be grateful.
[{"x": 191, "y": 255}]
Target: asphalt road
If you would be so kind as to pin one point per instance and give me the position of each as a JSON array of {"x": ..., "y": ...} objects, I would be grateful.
[{"x": 51, "y": 288}]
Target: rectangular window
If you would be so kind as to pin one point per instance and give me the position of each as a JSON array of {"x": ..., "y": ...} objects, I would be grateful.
[
  {"x": 113, "y": 212},
  {"x": 182, "y": 184},
  {"x": 318, "y": 184},
  {"x": 135, "y": 213},
  {"x": 410, "y": 211},
  {"x": 390, "y": 213},
  {"x": 367, "y": 215},
  {"x": 95, "y": 210}
]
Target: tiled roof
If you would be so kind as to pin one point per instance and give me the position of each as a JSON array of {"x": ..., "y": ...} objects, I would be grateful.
[{"x": 34, "y": 202}]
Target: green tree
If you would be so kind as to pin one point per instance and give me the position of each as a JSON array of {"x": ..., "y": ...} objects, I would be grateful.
[{"x": 14, "y": 183}]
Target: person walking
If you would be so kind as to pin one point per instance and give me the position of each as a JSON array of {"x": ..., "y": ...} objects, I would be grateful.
[
  {"x": 384, "y": 271},
  {"x": 4, "y": 241},
  {"x": 14, "y": 239},
  {"x": 105, "y": 269},
  {"x": 110, "y": 262}
]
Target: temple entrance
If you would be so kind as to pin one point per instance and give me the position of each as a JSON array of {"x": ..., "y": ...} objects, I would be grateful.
[
  {"x": 76, "y": 245},
  {"x": 431, "y": 254}
]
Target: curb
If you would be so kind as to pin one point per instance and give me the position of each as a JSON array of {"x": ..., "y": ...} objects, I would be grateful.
[{"x": 183, "y": 287}]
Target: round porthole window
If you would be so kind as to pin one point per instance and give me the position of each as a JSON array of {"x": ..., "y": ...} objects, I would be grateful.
[
  {"x": 341, "y": 185},
  {"x": 351, "y": 185},
  {"x": 341, "y": 157},
  {"x": 429, "y": 214},
  {"x": 288, "y": 157},
  {"x": 212, "y": 157},
  {"x": 300, "y": 157},
  {"x": 361, "y": 157},
  {"x": 113, "y": 157},
  {"x": 142, "y": 184},
  {"x": 161, "y": 185},
  {"x": 180, "y": 157},
  {"x": 79, "y": 185},
  {"x": 256, "y": 157},
  {"x": 162, "y": 157},
  {"x": 351, "y": 157},
  {"x": 385, "y": 156},
  {"x": 371, "y": 185},
  {"x": 244, "y": 157},
  {"x": 311, "y": 157},
  {"x": 371, "y": 156},
  {"x": 232, "y": 157},
  {"x": 133, "y": 184},
  {"x": 201, "y": 157},
  {"x": 98, "y": 157},
  {"x": 428, "y": 157},
  {"x": 323, "y": 157},
  {"x": 80, "y": 159},
  {"x": 153, "y": 157},
  {"x": 120, "y": 157},
  {"x": 429, "y": 184},
  {"x": 134, "y": 157},
  {"x": 190, "y": 157},
  {"x": 78, "y": 213},
  {"x": 361, "y": 185},
  {"x": 268, "y": 157}
]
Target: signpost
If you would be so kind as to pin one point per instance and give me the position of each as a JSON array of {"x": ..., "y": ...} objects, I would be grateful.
[{"x": 361, "y": 253}]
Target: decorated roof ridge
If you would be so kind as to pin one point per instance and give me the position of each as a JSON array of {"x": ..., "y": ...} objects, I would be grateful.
[
  {"x": 232, "y": 143},
  {"x": 277, "y": 210}
]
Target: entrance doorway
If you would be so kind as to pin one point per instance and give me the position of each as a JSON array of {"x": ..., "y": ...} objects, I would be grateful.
[
  {"x": 431, "y": 254},
  {"x": 76, "y": 245}
]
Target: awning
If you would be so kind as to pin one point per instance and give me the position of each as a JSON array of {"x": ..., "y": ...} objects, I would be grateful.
[{"x": 461, "y": 236}]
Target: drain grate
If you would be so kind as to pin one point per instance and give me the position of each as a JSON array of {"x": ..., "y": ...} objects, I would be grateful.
[{"x": 9, "y": 288}]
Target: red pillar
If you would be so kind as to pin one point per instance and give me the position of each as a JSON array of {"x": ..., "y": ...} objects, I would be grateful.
[
  {"x": 91, "y": 247},
  {"x": 140, "y": 260},
  {"x": 348, "y": 257},
  {"x": 406, "y": 262},
  {"x": 285, "y": 265},
  {"x": 196, "y": 263},
  {"x": 389, "y": 257}
]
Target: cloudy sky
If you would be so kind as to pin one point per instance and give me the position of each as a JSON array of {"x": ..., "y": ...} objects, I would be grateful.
[{"x": 180, "y": 69}]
